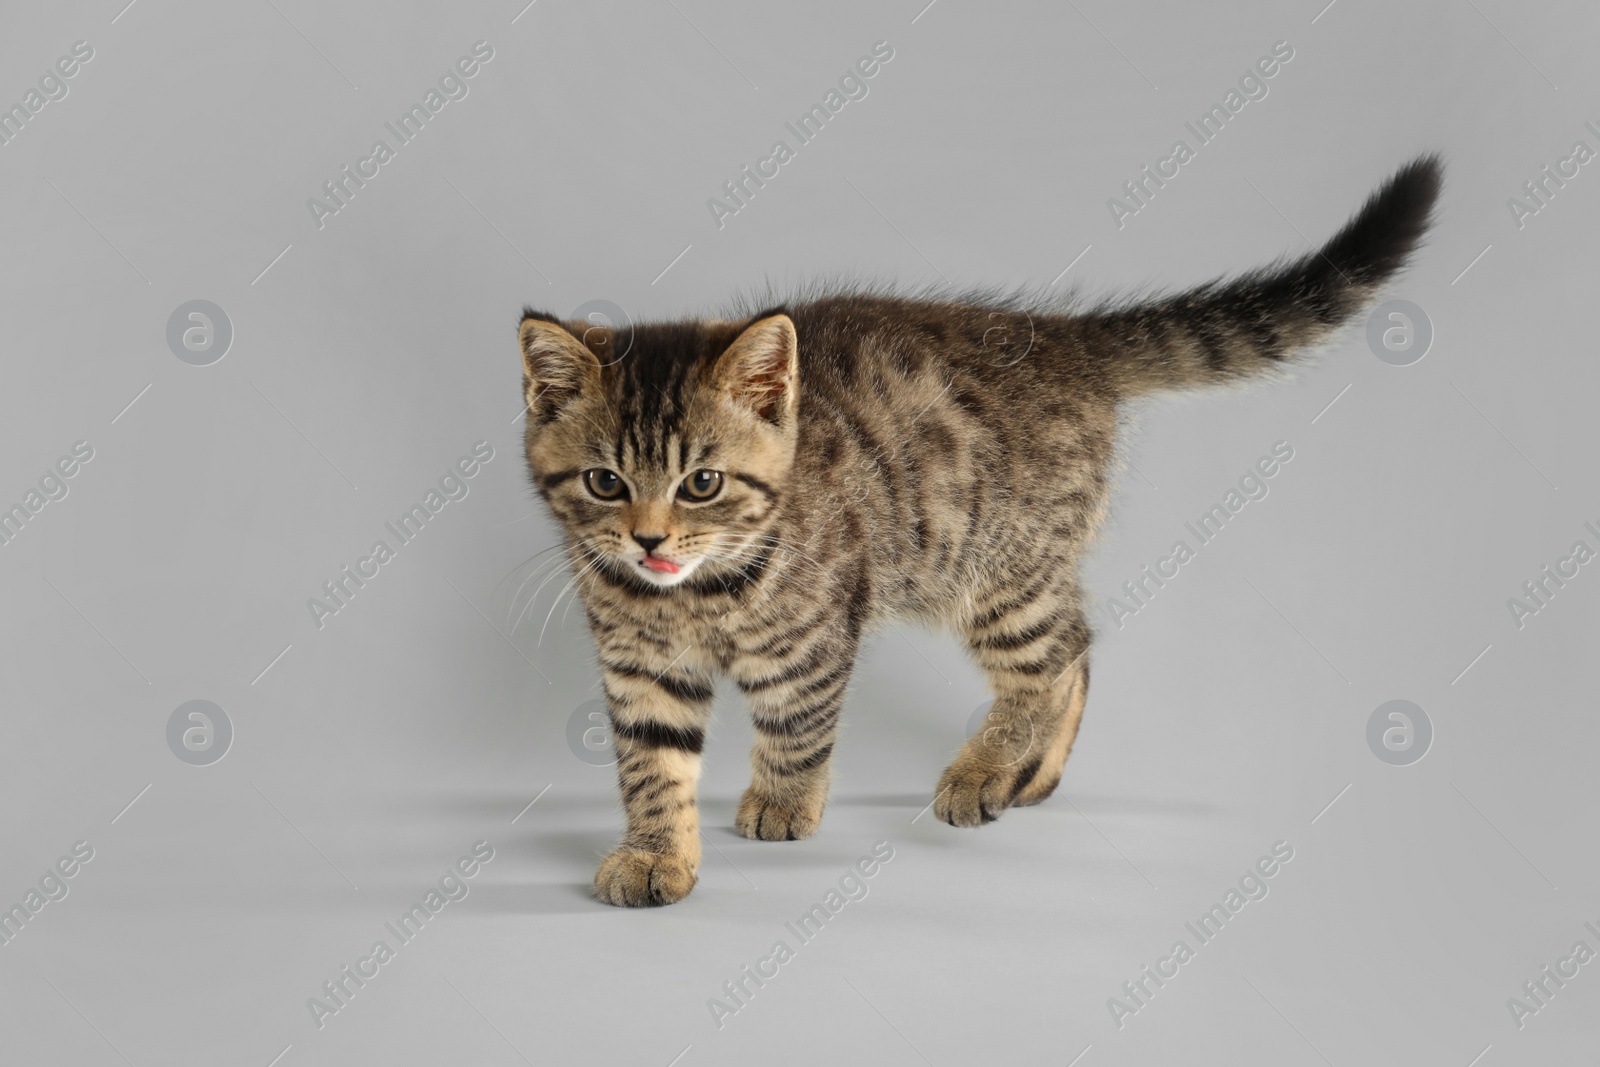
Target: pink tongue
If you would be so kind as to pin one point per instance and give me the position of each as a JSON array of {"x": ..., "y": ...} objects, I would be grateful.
[{"x": 665, "y": 566}]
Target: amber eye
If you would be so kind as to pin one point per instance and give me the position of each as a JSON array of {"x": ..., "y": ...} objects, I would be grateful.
[
  {"x": 604, "y": 484},
  {"x": 701, "y": 485}
]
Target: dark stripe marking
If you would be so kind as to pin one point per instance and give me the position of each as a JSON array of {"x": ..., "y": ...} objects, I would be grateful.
[
  {"x": 687, "y": 690},
  {"x": 651, "y": 734},
  {"x": 758, "y": 485}
]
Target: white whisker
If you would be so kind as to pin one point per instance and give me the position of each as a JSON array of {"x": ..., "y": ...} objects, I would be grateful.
[
  {"x": 545, "y": 568},
  {"x": 580, "y": 547},
  {"x": 598, "y": 559}
]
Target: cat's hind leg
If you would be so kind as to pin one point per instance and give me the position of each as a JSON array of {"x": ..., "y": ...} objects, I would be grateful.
[
  {"x": 1033, "y": 647},
  {"x": 1055, "y": 757}
]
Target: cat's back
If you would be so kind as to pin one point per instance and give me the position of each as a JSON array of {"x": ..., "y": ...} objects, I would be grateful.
[{"x": 1000, "y": 365}]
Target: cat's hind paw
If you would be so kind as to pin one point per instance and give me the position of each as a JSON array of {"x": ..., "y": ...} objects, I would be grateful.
[{"x": 973, "y": 792}]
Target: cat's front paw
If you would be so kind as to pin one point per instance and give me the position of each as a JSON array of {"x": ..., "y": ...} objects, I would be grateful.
[
  {"x": 632, "y": 878},
  {"x": 764, "y": 818}
]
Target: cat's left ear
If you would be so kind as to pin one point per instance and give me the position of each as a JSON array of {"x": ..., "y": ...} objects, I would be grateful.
[{"x": 761, "y": 369}]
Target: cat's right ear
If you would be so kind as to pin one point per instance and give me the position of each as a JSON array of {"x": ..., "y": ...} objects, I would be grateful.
[
  {"x": 760, "y": 370},
  {"x": 555, "y": 365}
]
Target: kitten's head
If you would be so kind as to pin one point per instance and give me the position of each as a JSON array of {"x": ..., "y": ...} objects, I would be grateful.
[{"x": 669, "y": 459}]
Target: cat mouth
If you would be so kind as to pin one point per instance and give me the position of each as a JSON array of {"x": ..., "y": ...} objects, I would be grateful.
[{"x": 660, "y": 572}]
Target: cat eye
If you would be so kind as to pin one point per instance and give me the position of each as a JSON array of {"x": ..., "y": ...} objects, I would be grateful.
[
  {"x": 701, "y": 485},
  {"x": 604, "y": 484}
]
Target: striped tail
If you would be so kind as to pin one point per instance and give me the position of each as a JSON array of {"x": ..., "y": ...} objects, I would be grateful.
[{"x": 1229, "y": 330}]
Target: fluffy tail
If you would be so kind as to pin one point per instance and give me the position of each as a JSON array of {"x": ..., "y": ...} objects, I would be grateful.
[{"x": 1228, "y": 330}]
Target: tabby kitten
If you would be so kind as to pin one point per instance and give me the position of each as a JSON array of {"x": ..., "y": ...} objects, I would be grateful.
[{"x": 750, "y": 497}]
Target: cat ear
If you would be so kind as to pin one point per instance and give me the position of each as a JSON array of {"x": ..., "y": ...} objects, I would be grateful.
[
  {"x": 555, "y": 365},
  {"x": 761, "y": 369}
]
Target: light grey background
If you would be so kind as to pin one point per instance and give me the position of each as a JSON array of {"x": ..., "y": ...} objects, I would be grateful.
[{"x": 371, "y": 353}]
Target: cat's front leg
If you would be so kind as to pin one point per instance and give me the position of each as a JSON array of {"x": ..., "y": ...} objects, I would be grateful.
[
  {"x": 658, "y": 721},
  {"x": 795, "y": 682}
]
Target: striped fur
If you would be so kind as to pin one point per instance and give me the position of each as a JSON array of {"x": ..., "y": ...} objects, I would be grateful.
[{"x": 880, "y": 457}]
